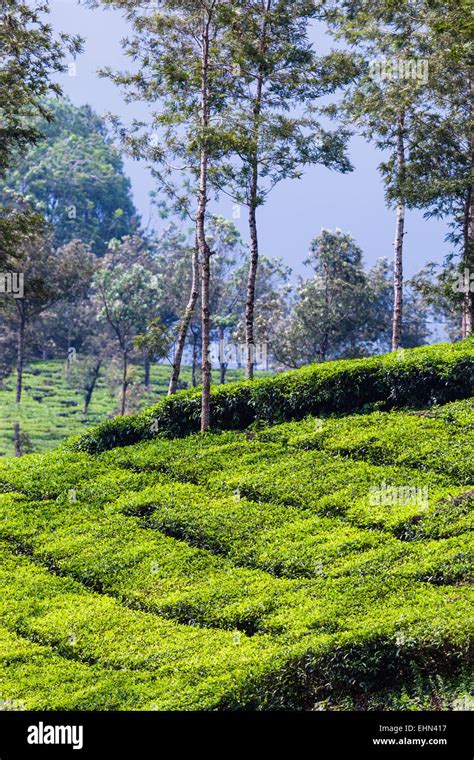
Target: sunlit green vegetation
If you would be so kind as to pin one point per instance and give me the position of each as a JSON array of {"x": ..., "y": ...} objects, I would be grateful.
[
  {"x": 323, "y": 562},
  {"x": 51, "y": 409}
]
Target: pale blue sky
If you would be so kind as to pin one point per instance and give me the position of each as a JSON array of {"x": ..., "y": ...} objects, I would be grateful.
[{"x": 298, "y": 209}]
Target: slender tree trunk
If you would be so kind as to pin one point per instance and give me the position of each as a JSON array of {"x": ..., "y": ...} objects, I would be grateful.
[
  {"x": 398, "y": 279},
  {"x": 206, "y": 357},
  {"x": 470, "y": 257},
  {"x": 20, "y": 359},
  {"x": 253, "y": 204},
  {"x": 204, "y": 250},
  {"x": 468, "y": 268},
  {"x": 251, "y": 281},
  {"x": 468, "y": 300},
  {"x": 185, "y": 322},
  {"x": 398, "y": 245},
  {"x": 123, "y": 405},
  {"x": 146, "y": 368},
  {"x": 90, "y": 390}
]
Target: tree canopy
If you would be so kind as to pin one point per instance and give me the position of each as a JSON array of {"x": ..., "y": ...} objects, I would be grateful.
[{"x": 74, "y": 176}]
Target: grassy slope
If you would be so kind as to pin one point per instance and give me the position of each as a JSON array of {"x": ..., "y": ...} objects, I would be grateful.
[
  {"x": 243, "y": 569},
  {"x": 51, "y": 410}
]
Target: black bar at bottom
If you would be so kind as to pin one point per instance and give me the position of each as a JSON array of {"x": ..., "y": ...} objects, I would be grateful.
[{"x": 149, "y": 735}]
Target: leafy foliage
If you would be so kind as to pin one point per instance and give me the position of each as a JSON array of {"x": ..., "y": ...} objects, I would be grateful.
[
  {"x": 416, "y": 377},
  {"x": 243, "y": 569},
  {"x": 52, "y": 407},
  {"x": 30, "y": 53},
  {"x": 75, "y": 178}
]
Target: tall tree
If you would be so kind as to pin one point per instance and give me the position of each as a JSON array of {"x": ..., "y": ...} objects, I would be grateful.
[
  {"x": 179, "y": 50},
  {"x": 442, "y": 156},
  {"x": 29, "y": 53},
  {"x": 271, "y": 127},
  {"x": 336, "y": 312},
  {"x": 386, "y": 99}
]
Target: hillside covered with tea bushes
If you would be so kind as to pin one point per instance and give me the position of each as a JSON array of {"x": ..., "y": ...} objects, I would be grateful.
[
  {"x": 52, "y": 409},
  {"x": 319, "y": 557},
  {"x": 417, "y": 377}
]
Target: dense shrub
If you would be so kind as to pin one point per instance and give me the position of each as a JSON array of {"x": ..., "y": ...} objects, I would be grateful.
[{"x": 414, "y": 378}]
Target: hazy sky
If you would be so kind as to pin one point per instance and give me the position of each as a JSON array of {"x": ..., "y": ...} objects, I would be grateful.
[{"x": 297, "y": 209}]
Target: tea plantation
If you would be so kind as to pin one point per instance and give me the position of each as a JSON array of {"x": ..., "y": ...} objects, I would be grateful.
[
  {"x": 51, "y": 409},
  {"x": 313, "y": 552}
]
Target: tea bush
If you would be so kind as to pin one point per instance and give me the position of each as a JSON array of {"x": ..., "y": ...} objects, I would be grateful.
[{"x": 420, "y": 377}]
